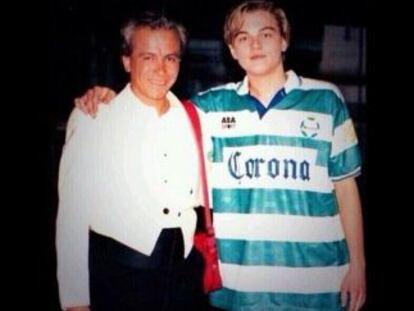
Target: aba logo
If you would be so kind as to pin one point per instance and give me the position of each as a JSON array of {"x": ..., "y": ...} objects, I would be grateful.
[
  {"x": 228, "y": 122},
  {"x": 309, "y": 127}
]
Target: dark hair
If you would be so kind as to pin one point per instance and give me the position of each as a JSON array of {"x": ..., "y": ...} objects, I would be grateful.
[{"x": 153, "y": 21}]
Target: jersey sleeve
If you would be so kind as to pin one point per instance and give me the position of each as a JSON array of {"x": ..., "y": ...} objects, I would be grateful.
[{"x": 345, "y": 158}]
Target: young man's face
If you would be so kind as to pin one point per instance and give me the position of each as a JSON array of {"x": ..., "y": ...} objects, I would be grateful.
[
  {"x": 154, "y": 63},
  {"x": 258, "y": 46}
]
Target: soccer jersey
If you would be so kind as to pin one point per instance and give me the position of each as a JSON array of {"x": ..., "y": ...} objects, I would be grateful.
[{"x": 271, "y": 172}]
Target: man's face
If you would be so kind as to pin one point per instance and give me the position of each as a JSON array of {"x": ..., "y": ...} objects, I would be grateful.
[
  {"x": 154, "y": 63},
  {"x": 258, "y": 46}
]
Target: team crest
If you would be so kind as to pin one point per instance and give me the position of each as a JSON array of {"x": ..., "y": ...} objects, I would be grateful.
[{"x": 309, "y": 127}]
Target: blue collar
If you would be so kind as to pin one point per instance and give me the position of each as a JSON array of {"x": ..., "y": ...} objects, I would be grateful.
[{"x": 277, "y": 98}]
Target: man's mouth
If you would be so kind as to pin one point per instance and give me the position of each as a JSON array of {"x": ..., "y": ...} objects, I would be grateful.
[
  {"x": 257, "y": 56},
  {"x": 159, "y": 82}
]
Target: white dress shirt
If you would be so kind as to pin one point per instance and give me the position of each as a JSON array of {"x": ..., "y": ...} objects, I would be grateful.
[{"x": 127, "y": 174}]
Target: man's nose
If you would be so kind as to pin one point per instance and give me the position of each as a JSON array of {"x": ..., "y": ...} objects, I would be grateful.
[
  {"x": 161, "y": 66},
  {"x": 256, "y": 42}
]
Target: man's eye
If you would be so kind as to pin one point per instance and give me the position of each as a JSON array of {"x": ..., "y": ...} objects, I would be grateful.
[{"x": 173, "y": 59}]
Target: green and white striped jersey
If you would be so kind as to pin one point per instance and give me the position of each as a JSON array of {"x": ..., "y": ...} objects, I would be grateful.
[{"x": 271, "y": 172}]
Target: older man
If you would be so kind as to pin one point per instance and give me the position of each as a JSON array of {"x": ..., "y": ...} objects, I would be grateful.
[{"x": 126, "y": 215}]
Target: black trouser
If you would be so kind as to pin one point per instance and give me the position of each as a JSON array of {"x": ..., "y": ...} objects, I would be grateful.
[{"x": 122, "y": 279}]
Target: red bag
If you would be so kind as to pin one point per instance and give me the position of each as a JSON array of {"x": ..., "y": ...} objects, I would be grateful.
[
  {"x": 204, "y": 238},
  {"x": 205, "y": 243}
]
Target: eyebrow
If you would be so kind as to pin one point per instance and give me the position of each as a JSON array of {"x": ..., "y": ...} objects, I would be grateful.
[
  {"x": 173, "y": 54},
  {"x": 242, "y": 32},
  {"x": 167, "y": 55},
  {"x": 268, "y": 28}
]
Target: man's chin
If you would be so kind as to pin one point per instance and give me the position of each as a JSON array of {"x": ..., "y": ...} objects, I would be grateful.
[
  {"x": 259, "y": 70},
  {"x": 158, "y": 96}
]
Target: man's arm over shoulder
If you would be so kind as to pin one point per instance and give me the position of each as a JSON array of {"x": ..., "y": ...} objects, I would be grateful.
[{"x": 90, "y": 100}]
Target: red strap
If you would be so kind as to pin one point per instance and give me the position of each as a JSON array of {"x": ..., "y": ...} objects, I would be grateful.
[{"x": 195, "y": 122}]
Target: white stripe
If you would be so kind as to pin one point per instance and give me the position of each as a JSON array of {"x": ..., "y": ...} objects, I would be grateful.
[
  {"x": 356, "y": 172},
  {"x": 220, "y": 178},
  {"x": 256, "y": 169},
  {"x": 344, "y": 137},
  {"x": 313, "y": 84},
  {"x": 285, "y": 123},
  {"x": 275, "y": 227},
  {"x": 282, "y": 279}
]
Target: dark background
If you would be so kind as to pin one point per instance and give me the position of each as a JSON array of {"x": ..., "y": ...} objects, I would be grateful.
[{"x": 83, "y": 50}]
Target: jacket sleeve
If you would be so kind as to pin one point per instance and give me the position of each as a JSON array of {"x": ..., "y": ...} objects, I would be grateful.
[{"x": 72, "y": 224}]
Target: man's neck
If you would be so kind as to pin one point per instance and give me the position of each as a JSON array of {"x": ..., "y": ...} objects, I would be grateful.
[
  {"x": 163, "y": 107},
  {"x": 160, "y": 105},
  {"x": 262, "y": 87}
]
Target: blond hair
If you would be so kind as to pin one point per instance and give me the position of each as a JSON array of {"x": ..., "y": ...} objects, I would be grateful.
[{"x": 234, "y": 19}]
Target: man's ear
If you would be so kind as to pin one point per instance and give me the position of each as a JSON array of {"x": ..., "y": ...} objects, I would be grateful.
[
  {"x": 284, "y": 45},
  {"x": 126, "y": 61},
  {"x": 232, "y": 52}
]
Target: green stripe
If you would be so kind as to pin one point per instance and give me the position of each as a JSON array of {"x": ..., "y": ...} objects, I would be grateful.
[
  {"x": 222, "y": 101},
  {"x": 345, "y": 162},
  {"x": 252, "y": 301},
  {"x": 314, "y": 100},
  {"x": 341, "y": 115},
  {"x": 320, "y": 101},
  {"x": 287, "y": 254},
  {"x": 323, "y": 147},
  {"x": 274, "y": 201}
]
